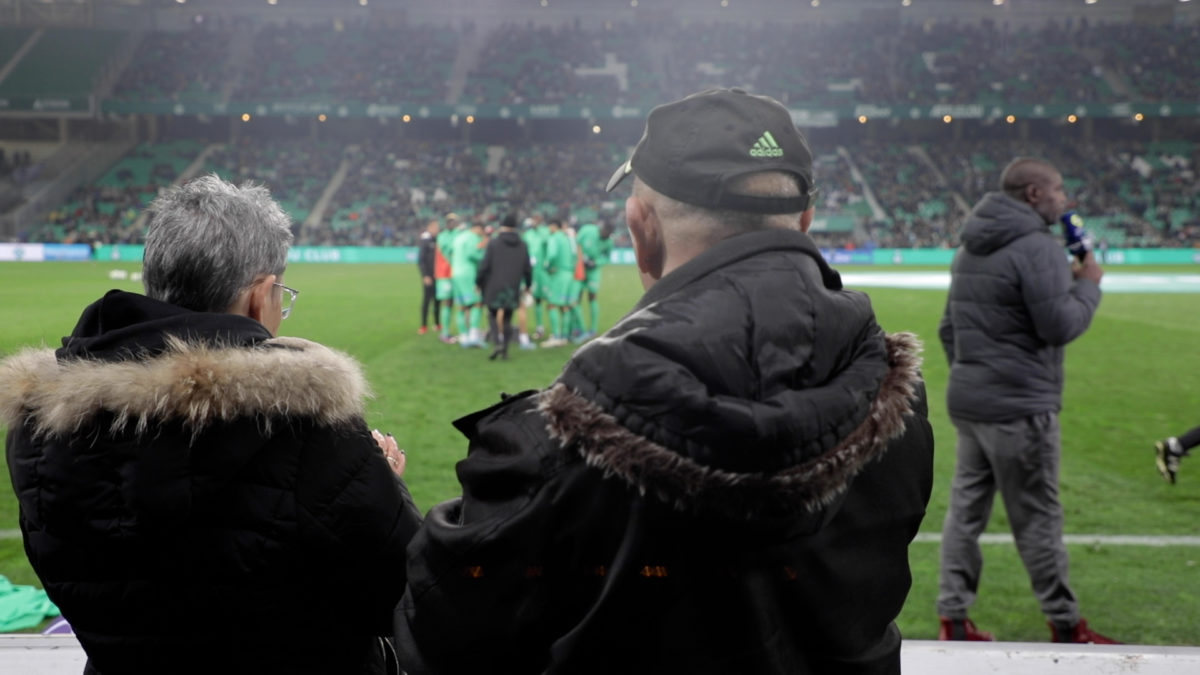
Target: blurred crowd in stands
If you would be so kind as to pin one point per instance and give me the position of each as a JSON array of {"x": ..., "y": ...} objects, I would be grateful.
[
  {"x": 657, "y": 60},
  {"x": 180, "y": 67},
  {"x": 874, "y": 194},
  {"x": 342, "y": 63}
]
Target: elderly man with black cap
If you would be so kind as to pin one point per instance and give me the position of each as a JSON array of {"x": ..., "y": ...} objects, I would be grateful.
[{"x": 726, "y": 481}]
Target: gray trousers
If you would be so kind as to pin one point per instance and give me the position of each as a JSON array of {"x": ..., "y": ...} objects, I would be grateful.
[{"x": 1020, "y": 458}]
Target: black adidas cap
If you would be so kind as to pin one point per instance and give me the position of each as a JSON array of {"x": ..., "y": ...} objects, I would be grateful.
[{"x": 695, "y": 147}]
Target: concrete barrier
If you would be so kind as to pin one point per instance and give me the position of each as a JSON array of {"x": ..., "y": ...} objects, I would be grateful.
[
  {"x": 61, "y": 654},
  {"x": 929, "y": 657},
  {"x": 41, "y": 654}
]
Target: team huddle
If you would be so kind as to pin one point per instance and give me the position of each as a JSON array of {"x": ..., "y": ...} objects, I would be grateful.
[{"x": 548, "y": 265}]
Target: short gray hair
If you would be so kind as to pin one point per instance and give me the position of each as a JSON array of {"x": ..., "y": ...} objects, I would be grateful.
[{"x": 208, "y": 240}]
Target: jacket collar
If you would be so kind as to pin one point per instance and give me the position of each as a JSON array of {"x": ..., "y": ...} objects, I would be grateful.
[
  {"x": 679, "y": 480},
  {"x": 193, "y": 383},
  {"x": 737, "y": 248}
]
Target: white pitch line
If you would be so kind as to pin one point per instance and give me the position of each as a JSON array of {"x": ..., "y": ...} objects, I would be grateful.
[{"x": 1082, "y": 539}]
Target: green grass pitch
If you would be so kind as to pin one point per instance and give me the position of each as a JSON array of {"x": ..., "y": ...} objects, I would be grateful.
[{"x": 1130, "y": 380}]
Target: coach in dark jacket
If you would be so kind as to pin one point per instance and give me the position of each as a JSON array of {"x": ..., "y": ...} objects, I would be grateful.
[
  {"x": 196, "y": 495},
  {"x": 1014, "y": 303},
  {"x": 726, "y": 481},
  {"x": 503, "y": 272}
]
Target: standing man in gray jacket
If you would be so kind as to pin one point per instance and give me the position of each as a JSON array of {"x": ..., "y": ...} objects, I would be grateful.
[{"x": 1014, "y": 303}]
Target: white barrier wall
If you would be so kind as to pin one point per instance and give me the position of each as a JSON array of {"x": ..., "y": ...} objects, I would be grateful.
[
  {"x": 929, "y": 657},
  {"x": 61, "y": 654}
]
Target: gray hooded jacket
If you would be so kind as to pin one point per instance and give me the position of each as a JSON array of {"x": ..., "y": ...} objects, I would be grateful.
[{"x": 1012, "y": 307}]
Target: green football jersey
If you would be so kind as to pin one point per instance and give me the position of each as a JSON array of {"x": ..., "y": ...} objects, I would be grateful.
[
  {"x": 593, "y": 247},
  {"x": 466, "y": 253},
  {"x": 445, "y": 248},
  {"x": 560, "y": 253},
  {"x": 535, "y": 241}
]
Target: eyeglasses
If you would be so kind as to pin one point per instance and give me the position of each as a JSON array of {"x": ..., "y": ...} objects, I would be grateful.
[{"x": 292, "y": 293}]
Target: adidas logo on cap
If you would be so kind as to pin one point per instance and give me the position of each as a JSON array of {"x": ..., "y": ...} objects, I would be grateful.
[{"x": 766, "y": 146}]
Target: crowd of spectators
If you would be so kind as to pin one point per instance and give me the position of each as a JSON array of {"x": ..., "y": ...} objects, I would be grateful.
[
  {"x": 107, "y": 211},
  {"x": 14, "y": 162},
  {"x": 186, "y": 66},
  {"x": 296, "y": 172},
  {"x": 1132, "y": 194},
  {"x": 643, "y": 63},
  {"x": 919, "y": 208},
  {"x": 991, "y": 63},
  {"x": 356, "y": 63},
  {"x": 537, "y": 64},
  {"x": 1161, "y": 63},
  {"x": 1136, "y": 194}
]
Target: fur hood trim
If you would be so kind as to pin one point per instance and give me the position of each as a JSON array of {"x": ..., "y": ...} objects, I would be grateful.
[
  {"x": 197, "y": 383},
  {"x": 688, "y": 485}
]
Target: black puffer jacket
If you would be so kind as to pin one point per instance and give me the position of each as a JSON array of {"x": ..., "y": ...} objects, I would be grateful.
[
  {"x": 198, "y": 497},
  {"x": 1011, "y": 309},
  {"x": 726, "y": 481},
  {"x": 503, "y": 270}
]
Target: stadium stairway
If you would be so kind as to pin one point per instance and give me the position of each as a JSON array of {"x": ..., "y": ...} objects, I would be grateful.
[
  {"x": 317, "y": 214},
  {"x": 465, "y": 60},
  {"x": 20, "y": 53},
  {"x": 56, "y": 654}
]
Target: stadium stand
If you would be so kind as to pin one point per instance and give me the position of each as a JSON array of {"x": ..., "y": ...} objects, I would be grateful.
[
  {"x": 1045, "y": 65},
  {"x": 106, "y": 212},
  {"x": 539, "y": 64},
  {"x": 176, "y": 66},
  {"x": 1160, "y": 63},
  {"x": 912, "y": 193},
  {"x": 296, "y": 172},
  {"x": 884, "y": 189},
  {"x": 348, "y": 63},
  {"x": 1131, "y": 194},
  {"x": 63, "y": 62},
  {"x": 12, "y": 38}
]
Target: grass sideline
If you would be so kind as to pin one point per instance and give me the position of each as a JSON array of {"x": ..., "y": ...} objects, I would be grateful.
[{"x": 1128, "y": 383}]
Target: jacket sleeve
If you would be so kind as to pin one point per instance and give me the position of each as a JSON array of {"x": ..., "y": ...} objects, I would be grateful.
[
  {"x": 425, "y": 257},
  {"x": 478, "y": 598},
  {"x": 946, "y": 333},
  {"x": 485, "y": 268},
  {"x": 1060, "y": 309},
  {"x": 357, "y": 518},
  {"x": 527, "y": 269}
]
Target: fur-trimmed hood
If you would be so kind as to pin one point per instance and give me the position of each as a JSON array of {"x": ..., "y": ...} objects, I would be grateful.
[
  {"x": 686, "y": 483},
  {"x": 194, "y": 383},
  {"x": 747, "y": 380}
]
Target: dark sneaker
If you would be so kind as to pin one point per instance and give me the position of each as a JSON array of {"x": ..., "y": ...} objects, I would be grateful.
[
  {"x": 962, "y": 629},
  {"x": 1079, "y": 634},
  {"x": 1167, "y": 454}
]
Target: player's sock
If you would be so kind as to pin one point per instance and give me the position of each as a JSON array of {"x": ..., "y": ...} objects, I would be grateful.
[
  {"x": 476, "y": 315},
  {"x": 576, "y": 323},
  {"x": 460, "y": 320},
  {"x": 594, "y": 311},
  {"x": 555, "y": 322},
  {"x": 444, "y": 320}
]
